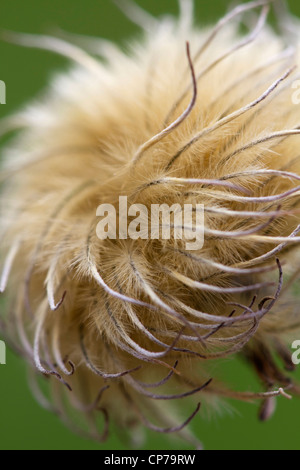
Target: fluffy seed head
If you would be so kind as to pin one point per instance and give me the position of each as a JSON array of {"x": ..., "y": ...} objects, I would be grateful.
[{"x": 122, "y": 325}]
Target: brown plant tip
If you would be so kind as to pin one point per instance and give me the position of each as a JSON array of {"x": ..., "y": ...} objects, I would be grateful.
[{"x": 126, "y": 329}]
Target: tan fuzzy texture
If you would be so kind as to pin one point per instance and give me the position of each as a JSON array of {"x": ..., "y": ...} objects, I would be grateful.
[{"x": 126, "y": 314}]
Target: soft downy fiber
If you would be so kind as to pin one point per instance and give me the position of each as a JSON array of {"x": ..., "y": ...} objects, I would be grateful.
[{"x": 188, "y": 115}]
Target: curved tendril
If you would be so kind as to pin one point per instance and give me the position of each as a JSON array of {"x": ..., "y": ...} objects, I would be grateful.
[
  {"x": 158, "y": 137},
  {"x": 238, "y": 10},
  {"x": 100, "y": 281},
  {"x": 220, "y": 266},
  {"x": 161, "y": 382},
  {"x": 157, "y": 300},
  {"x": 137, "y": 15},
  {"x": 95, "y": 369},
  {"x": 92, "y": 406},
  {"x": 172, "y": 429},
  {"x": 212, "y": 288},
  {"x": 248, "y": 40},
  {"x": 230, "y": 118},
  {"x": 137, "y": 323},
  {"x": 13, "y": 251},
  {"x": 59, "y": 46},
  {"x": 154, "y": 396},
  {"x": 48, "y": 362},
  {"x": 254, "y": 143}
]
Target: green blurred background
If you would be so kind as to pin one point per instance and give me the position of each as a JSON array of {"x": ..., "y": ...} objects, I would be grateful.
[{"x": 23, "y": 423}]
